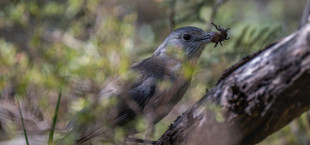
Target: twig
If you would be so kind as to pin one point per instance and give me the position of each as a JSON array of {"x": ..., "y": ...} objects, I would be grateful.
[
  {"x": 171, "y": 15},
  {"x": 194, "y": 10},
  {"x": 213, "y": 13},
  {"x": 137, "y": 140},
  {"x": 305, "y": 15}
]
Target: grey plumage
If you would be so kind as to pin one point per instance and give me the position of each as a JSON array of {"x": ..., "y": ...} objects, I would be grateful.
[{"x": 159, "y": 81}]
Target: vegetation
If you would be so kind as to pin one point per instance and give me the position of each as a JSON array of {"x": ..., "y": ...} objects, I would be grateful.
[{"x": 80, "y": 46}]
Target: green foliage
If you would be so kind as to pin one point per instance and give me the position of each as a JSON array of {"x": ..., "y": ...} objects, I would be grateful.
[
  {"x": 51, "y": 135},
  {"x": 81, "y": 45},
  {"x": 23, "y": 124}
]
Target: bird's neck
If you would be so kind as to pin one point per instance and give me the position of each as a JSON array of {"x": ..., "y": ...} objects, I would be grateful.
[
  {"x": 176, "y": 58},
  {"x": 170, "y": 52},
  {"x": 177, "y": 66},
  {"x": 175, "y": 53},
  {"x": 170, "y": 62}
]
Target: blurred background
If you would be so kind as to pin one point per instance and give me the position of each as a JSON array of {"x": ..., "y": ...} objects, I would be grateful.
[{"x": 80, "y": 45}]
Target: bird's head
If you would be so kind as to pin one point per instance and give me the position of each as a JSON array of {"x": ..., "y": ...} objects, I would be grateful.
[{"x": 185, "y": 42}]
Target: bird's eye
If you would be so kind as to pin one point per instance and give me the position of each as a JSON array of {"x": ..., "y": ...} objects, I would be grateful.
[{"x": 187, "y": 37}]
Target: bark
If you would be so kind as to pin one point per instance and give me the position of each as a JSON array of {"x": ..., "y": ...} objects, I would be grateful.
[{"x": 253, "y": 99}]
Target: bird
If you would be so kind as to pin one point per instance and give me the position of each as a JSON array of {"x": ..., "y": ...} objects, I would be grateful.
[{"x": 156, "y": 84}]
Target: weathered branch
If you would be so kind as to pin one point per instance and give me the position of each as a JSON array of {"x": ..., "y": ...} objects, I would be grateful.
[{"x": 252, "y": 100}]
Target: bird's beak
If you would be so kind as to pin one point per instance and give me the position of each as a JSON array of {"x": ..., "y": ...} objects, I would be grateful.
[{"x": 205, "y": 38}]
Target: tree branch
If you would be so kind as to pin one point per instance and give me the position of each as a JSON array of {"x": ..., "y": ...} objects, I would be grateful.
[{"x": 253, "y": 99}]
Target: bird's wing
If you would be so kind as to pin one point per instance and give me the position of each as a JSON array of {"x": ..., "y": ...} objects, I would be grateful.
[
  {"x": 139, "y": 90},
  {"x": 133, "y": 99},
  {"x": 142, "y": 93}
]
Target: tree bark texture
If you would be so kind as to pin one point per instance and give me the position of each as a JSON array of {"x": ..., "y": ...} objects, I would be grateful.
[{"x": 253, "y": 99}]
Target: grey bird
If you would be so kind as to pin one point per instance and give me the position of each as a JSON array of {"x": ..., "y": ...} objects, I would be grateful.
[{"x": 158, "y": 83}]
